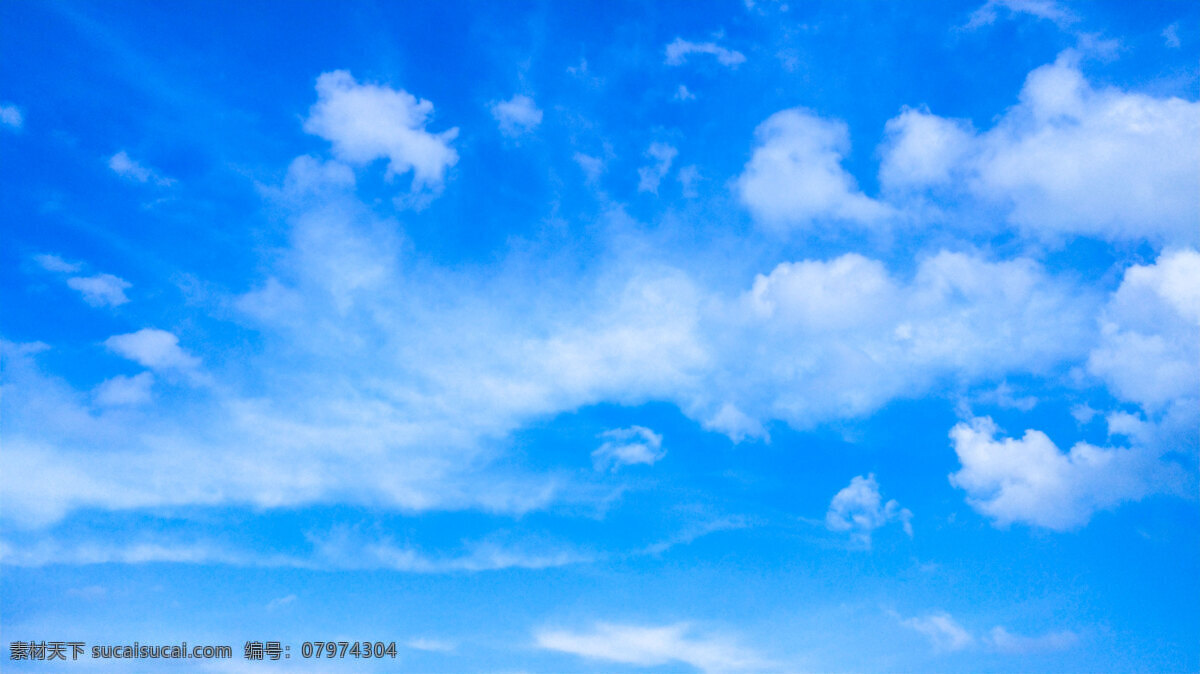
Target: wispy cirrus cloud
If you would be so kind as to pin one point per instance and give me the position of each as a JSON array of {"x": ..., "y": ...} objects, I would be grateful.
[
  {"x": 653, "y": 645},
  {"x": 126, "y": 167},
  {"x": 680, "y": 49}
]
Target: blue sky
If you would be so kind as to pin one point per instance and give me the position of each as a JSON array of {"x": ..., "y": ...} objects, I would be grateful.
[{"x": 555, "y": 337}]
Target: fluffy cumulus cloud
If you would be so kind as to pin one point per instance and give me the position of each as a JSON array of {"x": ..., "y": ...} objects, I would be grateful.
[
  {"x": 859, "y": 509},
  {"x": 650, "y": 176},
  {"x": 839, "y": 338},
  {"x": 649, "y": 646},
  {"x": 100, "y": 290},
  {"x": 922, "y": 149},
  {"x": 126, "y": 167},
  {"x": 1068, "y": 159},
  {"x": 627, "y": 447},
  {"x": 1031, "y": 481},
  {"x": 1148, "y": 355},
  {"x": 365, "y": 122},
  {"x": 795, "y": 175},
  {"x": 1149, "y": 352},
  {"x": 122, "y": 390},
  {"x": 153, "y": 348},
  {"x": 679, "y": 50},
  {"x": 517, "y": 115}
]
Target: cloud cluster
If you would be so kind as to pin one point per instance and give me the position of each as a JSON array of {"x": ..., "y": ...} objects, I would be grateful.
[
  {"x": 1069, "y": 159},
  {"x": 381, "y": 379},
  {"x": 1147, "y": 354},
  {"x": 1031, "y": 481},
  {"x": 393, "y": 387}
]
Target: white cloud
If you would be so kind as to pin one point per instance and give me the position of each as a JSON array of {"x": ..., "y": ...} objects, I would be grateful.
[
  {"x": 680, "y": 49},
  {"x": 122, "y": 390},
  {"x": 688, "y": 176},
  {"x": 1042, "y": 9},
  {"x": 682, "y": 94},
  {"x": 650, "y": 176},
  {"x": 591, "y": 166},
  {"x": 923, "y": 149},
  {"x": 57, "y": 264},
  {"x": 10, "y": 115},
  {"x": 339, "y": 549},
  {"x": 124, "y": 165},
  {"x": 1149, "y": 353},
  {"x": 858, "y": 508},
  {"x": 1004, "y": 395},
  {"x": 627, "y": 447},
  {"x": 153, "y": 348},
  {"x": 365, "y": 122},
  {"x": 399, "y": 382},
  {"x": 646, "y": 646},
  {"x": 344, "y": 548},
  {"x": 1171, "y": 36},
  {"x": 430, "y": 645},
  {"x": 1068, "y": 159},
  {"x": 1004, "y": 641},
  {"x": 1031, "y": 481},
  {"x": 795, "y": 175},
  {"x": 91, "y": 592},
  {"x": 517, "y": 115},
  {"x": 280, "y": 602},
  {"x": 838, "y": 338},
  {"x": 943, "y": 631},
  {"x": 100, "y": 290},
  {"x": 46, "y": 552},
  {"x": 1084, "y": 413},
  {"x": 735, "y": 424}
]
